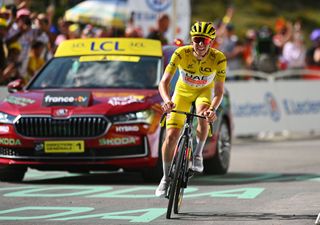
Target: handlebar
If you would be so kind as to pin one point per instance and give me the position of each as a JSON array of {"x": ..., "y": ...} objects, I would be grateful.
[{"x": 187, "y": 114}]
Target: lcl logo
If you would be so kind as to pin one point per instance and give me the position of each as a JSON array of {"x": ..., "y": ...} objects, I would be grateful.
[{"x": 205, "y": 69}]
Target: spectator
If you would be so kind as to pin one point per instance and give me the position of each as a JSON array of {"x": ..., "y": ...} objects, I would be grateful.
[
  {"x": 11, "y": 72},
  {"x": 103, "y": 32},
  {"x": 63, "y": 27},
  {"x": 131, "y": 29},
  {"x": 43, "y": 34},
  {"x": 116, "y": 32},
  {"x": 74, "y": 31},
  {"x": 265, "y": 54},
  {"x": 3, "y": 32},
  {"x": 21, "y": 31},
  {"x": 313, "y": 53},
  {"x": 162, "y": 27},
  {"x": 35, "y": 60},
  {"x": 283, "y": 34},
  {"x": 221, "y": 25},
  {"x": 232, "y": 48},
  {"x": 88, "y": 31},
  {"x": 50, "y": 12},
  {"x": 5, "y": 13},
  {"x": 294, "y": 52},
  {"x": 248, "y": 46}
]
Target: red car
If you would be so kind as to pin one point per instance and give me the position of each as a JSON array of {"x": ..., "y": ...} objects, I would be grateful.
[{"x": 95, "y": 106}]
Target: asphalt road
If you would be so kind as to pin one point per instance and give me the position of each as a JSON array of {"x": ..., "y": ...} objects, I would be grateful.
[{"x": 271, "y": 182}]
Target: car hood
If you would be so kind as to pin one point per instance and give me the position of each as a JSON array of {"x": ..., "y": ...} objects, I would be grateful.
[{"x": 68, "y": 102}]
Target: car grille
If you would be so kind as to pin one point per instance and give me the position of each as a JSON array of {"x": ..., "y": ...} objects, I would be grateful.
[{"x": 47, "y": 127}]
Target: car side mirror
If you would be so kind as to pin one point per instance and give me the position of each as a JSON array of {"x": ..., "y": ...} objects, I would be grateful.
[{"x": 15, "y": 86}]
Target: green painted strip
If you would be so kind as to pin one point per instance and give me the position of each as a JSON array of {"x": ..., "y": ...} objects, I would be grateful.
[
  {"x": 147, "y": 215},
  {"x": 36, "y": 192},
  {"x": 243, "y": 177},
  {"x": 27, "y": 209},
  {"x": 241, "y": 193},
  {"x": 133, "y": 193},
  {"x": 16, "y": 188}
]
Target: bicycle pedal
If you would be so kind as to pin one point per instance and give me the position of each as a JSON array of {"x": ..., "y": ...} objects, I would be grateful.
[{"x": 190, "y": 173}]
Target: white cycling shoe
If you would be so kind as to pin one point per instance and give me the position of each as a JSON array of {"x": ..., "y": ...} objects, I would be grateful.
[
  {"x": 161, "y": 190},
  {"x": 197, "y": 165}
]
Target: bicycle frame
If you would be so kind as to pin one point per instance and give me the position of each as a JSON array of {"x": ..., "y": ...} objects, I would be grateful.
[{"x": 180, "y": 172}]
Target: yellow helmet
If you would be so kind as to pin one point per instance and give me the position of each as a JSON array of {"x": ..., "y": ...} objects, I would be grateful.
[
  {"x": 203, "y": 29},
  {"x": 3, "y": 22},
  {"x": 15, "y": 45}
]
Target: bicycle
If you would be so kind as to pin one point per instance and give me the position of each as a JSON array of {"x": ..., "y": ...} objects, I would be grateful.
[{"x": 180, "y": 170}]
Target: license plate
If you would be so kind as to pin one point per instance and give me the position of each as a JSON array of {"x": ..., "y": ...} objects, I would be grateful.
[{"x": 63, "y": 146}]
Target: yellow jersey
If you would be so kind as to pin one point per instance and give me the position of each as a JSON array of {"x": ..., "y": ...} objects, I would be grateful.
[{"x": 197, "y": 74}]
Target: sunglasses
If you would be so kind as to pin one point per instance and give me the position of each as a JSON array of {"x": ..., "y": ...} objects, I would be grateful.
[{"x": 204, "y": 40}]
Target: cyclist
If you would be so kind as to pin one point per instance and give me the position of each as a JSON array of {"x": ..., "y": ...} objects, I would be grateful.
[{"x": 202, "y": 75}]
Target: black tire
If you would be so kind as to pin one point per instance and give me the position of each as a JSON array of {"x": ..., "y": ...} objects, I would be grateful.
[
  {"x": 183, "y": 179},
  {"x": 179, "y": 194},
  {"x": 155, "y": 173},
  {"x": 12, "y": 173},
  {"x": 173, "y": 188},
  {"x": 219, "y": 163}
]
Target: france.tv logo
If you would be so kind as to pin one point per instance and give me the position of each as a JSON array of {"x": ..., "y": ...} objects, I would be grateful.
[{"x": 273, "y": 107}]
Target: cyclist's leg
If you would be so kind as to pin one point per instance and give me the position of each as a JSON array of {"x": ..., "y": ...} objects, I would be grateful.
[
  {"x": 202, "y": 104},
  {"x": 174, "y": 124},
  {"x": 172, "y": 135}
]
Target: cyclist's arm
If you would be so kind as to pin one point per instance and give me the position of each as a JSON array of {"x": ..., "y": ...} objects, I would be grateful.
[
  {"x": 164, "y": 86},
  {"x": 218, "y": 94},
  {"x": 170, "y": 70},
  {"x": 219, "y": 82}
]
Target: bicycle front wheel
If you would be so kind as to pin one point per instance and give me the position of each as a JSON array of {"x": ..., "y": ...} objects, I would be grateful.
[
  {"x": 178, "y": 195},
  {"x": 177, "y": 175}
]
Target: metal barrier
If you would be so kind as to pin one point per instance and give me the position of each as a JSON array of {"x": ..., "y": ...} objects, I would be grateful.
[
  {"x": 284, "y": 101},
  {"x": 281, "y": 74}
]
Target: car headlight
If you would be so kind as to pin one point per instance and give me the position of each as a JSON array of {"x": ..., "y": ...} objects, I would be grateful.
[
  {"x": 6, "y": 118},
  {"x": 139, "y": 117}
]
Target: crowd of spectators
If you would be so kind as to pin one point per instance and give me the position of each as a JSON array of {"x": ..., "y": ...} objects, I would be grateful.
[
  {"x": 26, "y": 42},
  {"x": 29, "y": 39},
  {"x": 268, "y": 49}
]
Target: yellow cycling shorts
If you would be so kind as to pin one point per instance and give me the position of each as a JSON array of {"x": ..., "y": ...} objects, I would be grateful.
[{"x": 183, "y": 102}]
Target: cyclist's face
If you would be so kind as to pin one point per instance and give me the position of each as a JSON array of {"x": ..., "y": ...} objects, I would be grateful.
[{"x": 201, "y": 45}]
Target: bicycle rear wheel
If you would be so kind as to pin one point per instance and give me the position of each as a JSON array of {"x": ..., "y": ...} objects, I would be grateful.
[{"x": 176, "y": 169}]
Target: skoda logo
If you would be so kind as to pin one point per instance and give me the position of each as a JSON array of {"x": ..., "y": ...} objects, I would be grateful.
[
  {"x": 62, "y": 112},
  {"x": 158, "y": 5}
]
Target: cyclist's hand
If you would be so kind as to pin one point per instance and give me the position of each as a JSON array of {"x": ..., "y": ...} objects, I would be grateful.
[
  {"x": 211, "y": 115},
  {"x": 168, "y": 106}
]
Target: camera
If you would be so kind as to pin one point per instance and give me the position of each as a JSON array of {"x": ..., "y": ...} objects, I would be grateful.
[{"x": 26, "y": 20}]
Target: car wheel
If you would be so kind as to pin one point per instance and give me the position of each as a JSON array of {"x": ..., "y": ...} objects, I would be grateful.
[
  {"x": 12, "y": 173},
  {"x": 155, "y": 174},
  {"x": 219, "y": 163}
]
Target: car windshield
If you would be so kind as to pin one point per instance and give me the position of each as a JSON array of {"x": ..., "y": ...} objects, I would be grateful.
[{"x": 100, "y": 72}]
